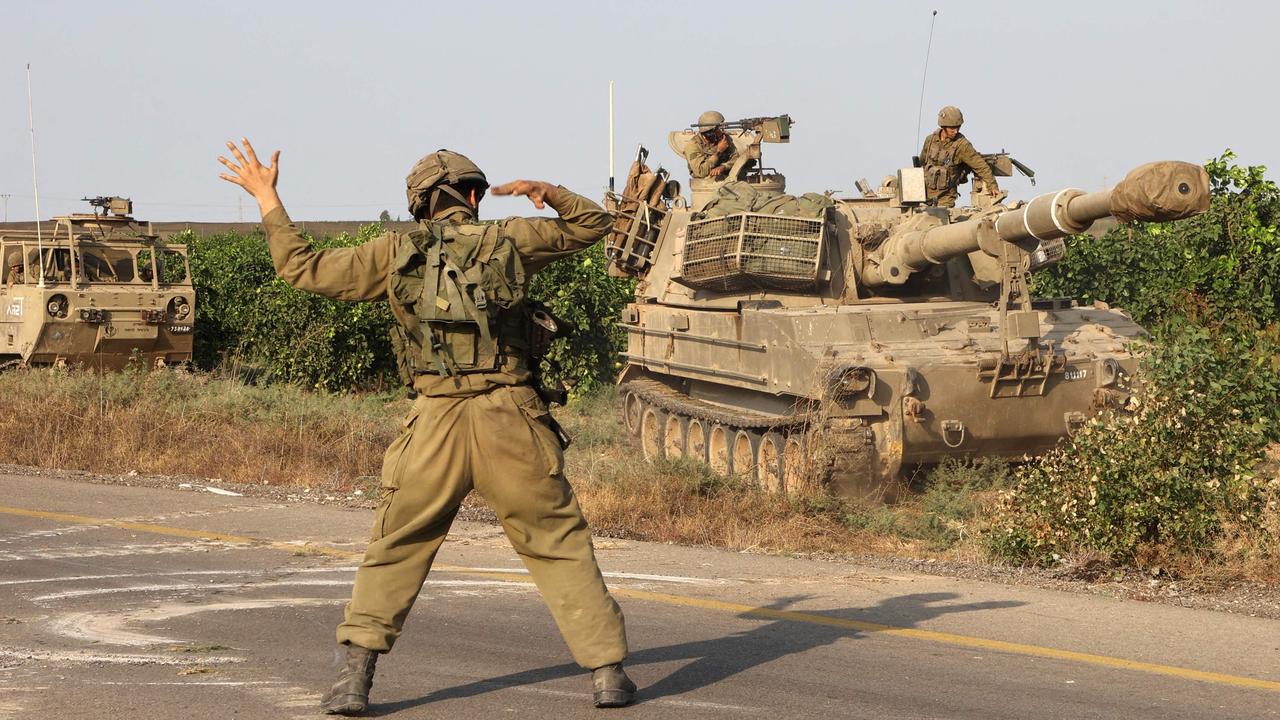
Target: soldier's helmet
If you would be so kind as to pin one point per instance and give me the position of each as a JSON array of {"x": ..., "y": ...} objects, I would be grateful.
[
  {"x": 441, "y": 169},
  {"x": 710, "y": 119},
  {"x": 950, "y": 116}
]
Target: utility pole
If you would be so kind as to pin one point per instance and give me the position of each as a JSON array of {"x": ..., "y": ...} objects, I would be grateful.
[{"x": 6, "y": 197}]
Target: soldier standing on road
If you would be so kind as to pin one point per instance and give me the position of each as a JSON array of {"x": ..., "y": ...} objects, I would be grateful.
[
  {"x": 710, "y": 153},
  {"x": 948, "y": 157},
  {"x": 456, "y": 286}
]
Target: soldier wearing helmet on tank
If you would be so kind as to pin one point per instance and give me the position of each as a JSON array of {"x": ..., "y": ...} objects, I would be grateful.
[
  {"x": 948, "y": 157},
  {"x": 710, "y": 153},
  {"x": 456, "y": 286}
]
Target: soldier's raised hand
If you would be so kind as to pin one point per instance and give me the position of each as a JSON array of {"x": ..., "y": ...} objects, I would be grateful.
[
  {"x": 257, "y": 179},
  {"x": 538, "y": 192},
  {"x": 723, "y": 144}
]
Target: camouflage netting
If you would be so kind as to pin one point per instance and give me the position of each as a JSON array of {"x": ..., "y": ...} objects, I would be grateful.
[{"x": 1161, "y": 191}]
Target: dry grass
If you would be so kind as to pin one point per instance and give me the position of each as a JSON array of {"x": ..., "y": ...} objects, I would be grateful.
[{"x": 174, "y": 423}]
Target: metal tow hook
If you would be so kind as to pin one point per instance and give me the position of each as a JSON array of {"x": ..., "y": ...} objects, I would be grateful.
[{"x": 953, "y": 427}]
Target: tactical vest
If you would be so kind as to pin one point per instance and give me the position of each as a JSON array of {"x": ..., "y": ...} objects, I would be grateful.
[
  {"x": 941, "y": 171},
  {"x": 458, "y": 291}
]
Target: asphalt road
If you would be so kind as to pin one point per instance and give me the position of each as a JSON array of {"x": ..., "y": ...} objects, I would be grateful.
[{"x": 120, "y": 602}]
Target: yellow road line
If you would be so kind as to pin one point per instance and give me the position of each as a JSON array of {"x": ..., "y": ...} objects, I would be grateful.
[{"x": 702, "y": 603}]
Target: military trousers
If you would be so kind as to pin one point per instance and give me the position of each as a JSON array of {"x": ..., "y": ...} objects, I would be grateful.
[{"x": 500, "y": 443}]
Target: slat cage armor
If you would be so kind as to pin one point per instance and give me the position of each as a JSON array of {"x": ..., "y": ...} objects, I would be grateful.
[{"x": 750, "y": 251}]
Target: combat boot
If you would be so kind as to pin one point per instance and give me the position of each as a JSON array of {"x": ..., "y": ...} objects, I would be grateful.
[
  {"x": 610, "y": 687},
  {"x": 350, "y": 694}
]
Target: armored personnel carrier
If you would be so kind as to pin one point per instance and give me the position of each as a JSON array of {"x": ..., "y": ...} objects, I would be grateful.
[
  {"x": 815, "y": 341},
  {"x": 100, "y": 290}
]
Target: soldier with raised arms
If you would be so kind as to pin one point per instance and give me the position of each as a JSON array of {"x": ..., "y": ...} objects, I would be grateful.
[
  {"x": 456, "y": 286},
  {"x": 948, "y": 157}
]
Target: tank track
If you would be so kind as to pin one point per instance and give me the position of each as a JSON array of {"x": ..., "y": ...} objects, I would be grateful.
[
  {"x": 843, "y": 453},
  {"x": 673, "y": 401}
]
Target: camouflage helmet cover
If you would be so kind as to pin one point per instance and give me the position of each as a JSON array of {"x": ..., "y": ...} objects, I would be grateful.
[
  {"x": 442, "y": 167},
  {"x": 950, "y": 116},
  {"x": 710, "y": 119}
]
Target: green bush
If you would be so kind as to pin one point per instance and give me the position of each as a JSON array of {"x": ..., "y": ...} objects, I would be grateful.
[
  {"x": 245, "y": 315},
  {"x": 1166, "y": 479}
]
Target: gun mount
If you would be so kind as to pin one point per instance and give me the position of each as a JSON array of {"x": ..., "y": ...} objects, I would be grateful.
[{"x": 814, "y": 341}]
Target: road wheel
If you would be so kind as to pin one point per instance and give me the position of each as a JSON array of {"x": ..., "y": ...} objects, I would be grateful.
[
  {"x": 743, "y": 454},
  {"x": 674, "y": 435},
  {"x": 719, "y": 456},
  {"x": 695, "y": 444},
  {"x": 632, "y": 410},
  {"x": 770, "y": 464},
  {"x": 797, "y": 475},
  {"x": 652, "y": 423}
]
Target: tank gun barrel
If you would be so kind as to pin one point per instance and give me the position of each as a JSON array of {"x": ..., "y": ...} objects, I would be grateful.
[{"x": 1155, "y": 192}]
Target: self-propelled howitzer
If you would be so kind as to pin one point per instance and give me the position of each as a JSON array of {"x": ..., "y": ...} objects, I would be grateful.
[{"x": 810, "y": 341}]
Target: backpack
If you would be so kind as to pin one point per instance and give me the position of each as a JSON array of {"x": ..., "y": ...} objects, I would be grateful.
[{"x": 461, "y": 287}]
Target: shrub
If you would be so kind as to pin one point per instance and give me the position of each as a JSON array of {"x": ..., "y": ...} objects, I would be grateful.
[
  {"x": 1165, "y": 480},
  {"x": 245, "y": 315}
]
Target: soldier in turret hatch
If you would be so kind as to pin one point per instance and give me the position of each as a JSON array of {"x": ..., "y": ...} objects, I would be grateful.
[
  {"x": 710, "y": 153},
  {"x": 948, "y": 157}
]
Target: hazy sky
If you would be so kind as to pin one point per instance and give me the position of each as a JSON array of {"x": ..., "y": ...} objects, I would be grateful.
[{"x": 135, "y": 98}]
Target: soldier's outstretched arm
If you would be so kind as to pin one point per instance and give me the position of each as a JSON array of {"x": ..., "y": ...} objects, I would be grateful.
[
  {"x": 543, "y": 240},
  {"x": 353, "y": 274}
]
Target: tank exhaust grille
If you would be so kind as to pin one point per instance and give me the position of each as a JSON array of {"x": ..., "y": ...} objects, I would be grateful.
[{"x": 750, "y": 251}]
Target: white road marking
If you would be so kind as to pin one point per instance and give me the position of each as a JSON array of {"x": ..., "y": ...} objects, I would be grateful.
[
  {"x": 66, "y": 530},
  {"x": 178, "y": 573},
  {"x": 82, "y": 656},
  {"x": 78, "y": 578},
  {"x": 88, "y": 551},
  {"x": 228, "y": 683},
  {"x": 108, "y": 627},
  {"x": 249, "y": 584}
]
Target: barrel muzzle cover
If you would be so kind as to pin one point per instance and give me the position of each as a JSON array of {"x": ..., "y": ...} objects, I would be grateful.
[{"x": 1161, "y": 191}]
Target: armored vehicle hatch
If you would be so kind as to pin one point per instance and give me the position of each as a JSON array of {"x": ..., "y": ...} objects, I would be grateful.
[
  {"x": 814, "y": 341},
  {"x": 99, "y": 290}
]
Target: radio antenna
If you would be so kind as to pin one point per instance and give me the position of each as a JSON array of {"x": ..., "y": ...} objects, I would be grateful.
[
  {"x": 611, "y": 174},
  {"x": 35, "y": 185},
  {"x": 923, "y": 78}
]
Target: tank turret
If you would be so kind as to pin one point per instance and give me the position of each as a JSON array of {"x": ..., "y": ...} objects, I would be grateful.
[{"x": 817, "y": 341}]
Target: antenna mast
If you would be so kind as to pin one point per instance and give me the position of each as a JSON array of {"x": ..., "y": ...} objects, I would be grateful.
[
  {"x": 35, "y": 185},
  {"x": 611, "y": 174},
  {"x": 923, "y": 77}
]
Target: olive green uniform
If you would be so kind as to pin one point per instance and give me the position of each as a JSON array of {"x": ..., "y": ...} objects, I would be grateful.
[
  {"x": 946, "y": 165},
  {"x": 703, "y": 157},
  {"x": 485, "y": 430}
]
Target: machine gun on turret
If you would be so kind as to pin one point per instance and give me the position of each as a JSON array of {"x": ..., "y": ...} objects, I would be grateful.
[
  {"x": 122, "y": 207},
  {"x": 776, "y": 129}
]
